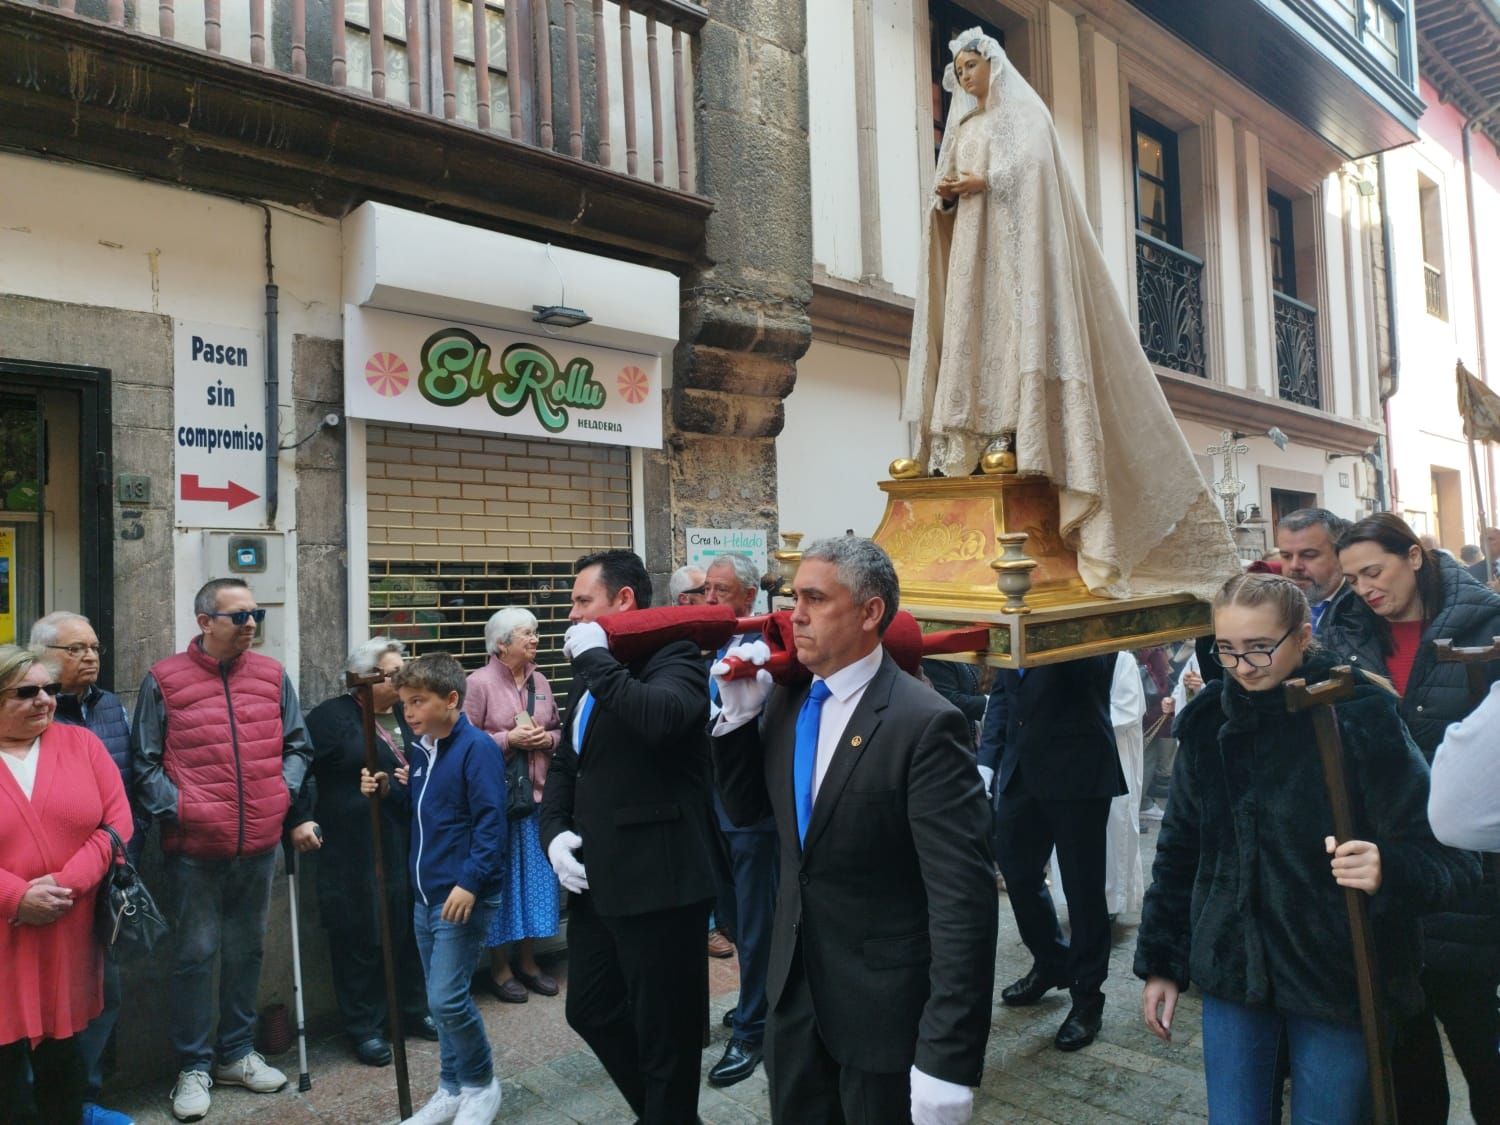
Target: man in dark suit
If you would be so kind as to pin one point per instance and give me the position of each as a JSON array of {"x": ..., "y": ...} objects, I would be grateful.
[
  {"x": 1488, "y": 571},
  {"x": 883, "y": 949},
  {"x": 625, "y": 821},
  {"x": 1047, "y": 737},
  {"x": 747, "y": 903}
]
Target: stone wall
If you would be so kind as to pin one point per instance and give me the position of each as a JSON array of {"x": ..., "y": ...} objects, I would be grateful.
[{"x": 745, "y": 321}]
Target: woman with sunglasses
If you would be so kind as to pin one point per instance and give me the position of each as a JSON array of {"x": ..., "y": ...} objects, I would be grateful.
[
  {"x": 1246, "y": 900},
  {"x": 1412, "y": 597},
  {"x": 57, "y": 790}
]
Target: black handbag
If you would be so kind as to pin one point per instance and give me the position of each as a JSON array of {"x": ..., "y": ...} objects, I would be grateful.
[
  {"x": 518, "y": 802},
  {"x": 126, "y": 919}
]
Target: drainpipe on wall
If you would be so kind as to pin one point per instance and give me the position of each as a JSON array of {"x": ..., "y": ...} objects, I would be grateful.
[
  {"x": 273, "y": 385},
  {"x": 1468, "y": 129},
  {"x": 1386, "y": 482}
]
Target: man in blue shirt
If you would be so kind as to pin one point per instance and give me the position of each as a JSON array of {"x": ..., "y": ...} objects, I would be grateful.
[{"x": 1306, "y": 539}]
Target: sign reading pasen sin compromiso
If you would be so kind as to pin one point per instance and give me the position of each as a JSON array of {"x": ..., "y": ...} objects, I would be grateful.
[{"x": 421, "y": 371}]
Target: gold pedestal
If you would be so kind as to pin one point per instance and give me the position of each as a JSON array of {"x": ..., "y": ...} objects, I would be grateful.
[{"x": 943, "y": 533}]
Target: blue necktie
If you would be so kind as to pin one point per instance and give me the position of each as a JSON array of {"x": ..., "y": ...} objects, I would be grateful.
[
  {"x": 713, "y": 684},
  {"x": 805, "y": 758},
  {"x": 585, "y": 709}
]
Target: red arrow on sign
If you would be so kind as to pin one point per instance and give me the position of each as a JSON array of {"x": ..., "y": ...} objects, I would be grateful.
[{"x": 234, "y": 495}]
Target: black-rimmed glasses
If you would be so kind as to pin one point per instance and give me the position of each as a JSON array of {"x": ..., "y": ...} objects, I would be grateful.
[
  {"x": 240, "y": 616},
  {"x": 79, "y": 651},
  {"x": 1255, "y": 658},
  {"x": 30, "y": 691}
]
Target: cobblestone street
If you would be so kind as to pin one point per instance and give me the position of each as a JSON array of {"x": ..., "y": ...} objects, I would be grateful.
[{"x": 550, "y": 1077}]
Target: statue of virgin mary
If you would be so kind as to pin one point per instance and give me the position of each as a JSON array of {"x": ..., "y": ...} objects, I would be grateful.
[{"x": 1019, "y": 330}]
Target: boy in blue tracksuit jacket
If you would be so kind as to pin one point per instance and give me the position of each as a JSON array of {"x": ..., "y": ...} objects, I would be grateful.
[{"x": 455, "y": 788}]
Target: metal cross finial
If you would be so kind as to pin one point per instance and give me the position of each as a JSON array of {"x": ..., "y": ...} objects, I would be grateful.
[{"x": 1229, "y": 486}]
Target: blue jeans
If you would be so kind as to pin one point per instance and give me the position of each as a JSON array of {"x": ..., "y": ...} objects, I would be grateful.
[
  {"x": 92, "y": 1040},
  {"x": 449, "y": 954},
  {"x": 219, "y": 909},
  {"x": 1330, "y": 1074}
]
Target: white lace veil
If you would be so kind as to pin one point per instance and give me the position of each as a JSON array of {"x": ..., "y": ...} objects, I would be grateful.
[{"x": 963, "y": 102}]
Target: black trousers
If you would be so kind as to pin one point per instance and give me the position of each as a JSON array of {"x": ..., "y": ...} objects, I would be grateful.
[
  {"x": 808, "y": 1084},
  {"x": 359, "y": 978},
  {"x": 1466, "y": 1006},
  {"x": 638, "y": 995},
  {"x": 57, "y": 1081},
  {"x": 1026, "y": 831}
]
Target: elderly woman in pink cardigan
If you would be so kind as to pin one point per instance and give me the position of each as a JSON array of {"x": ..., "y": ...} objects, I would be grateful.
[{"x": 511, "y": 701}]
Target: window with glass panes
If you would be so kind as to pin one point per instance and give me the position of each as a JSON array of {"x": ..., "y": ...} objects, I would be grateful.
[
  {"x": 1158, "y": 202},
  {"x": 1283, "y": 247},
  {"x": 359, "y": 64}
]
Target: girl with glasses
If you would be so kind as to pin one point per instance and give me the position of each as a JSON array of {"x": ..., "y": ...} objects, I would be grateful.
[{"x": 1246, "y": 900}]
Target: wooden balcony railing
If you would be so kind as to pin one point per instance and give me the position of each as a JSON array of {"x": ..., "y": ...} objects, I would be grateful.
[
  {"x": 1297, "y": 352},
  {"x": 617, "y": 70},
  {"x": 1169, "y": 300}
]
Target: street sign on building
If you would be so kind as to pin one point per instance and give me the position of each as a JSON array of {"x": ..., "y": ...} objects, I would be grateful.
[{"x": 219, "y": 426}]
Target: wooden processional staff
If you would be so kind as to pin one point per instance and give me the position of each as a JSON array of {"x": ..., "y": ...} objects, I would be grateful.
[
  {"x": 362, "y": 685},
  {"x": 1319, "y": 701}
]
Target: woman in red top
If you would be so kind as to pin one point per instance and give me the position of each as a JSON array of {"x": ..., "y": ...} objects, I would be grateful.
[
  {"x": 57, "y": 787},
  {"x": 1416, "y": 597}
]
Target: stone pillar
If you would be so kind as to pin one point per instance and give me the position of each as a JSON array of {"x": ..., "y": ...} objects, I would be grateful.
[{"x": 744, "y": 317}]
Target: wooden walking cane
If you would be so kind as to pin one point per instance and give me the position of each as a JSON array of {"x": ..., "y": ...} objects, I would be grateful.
[
  {"x": 1319, "y": 701},
  {"x": 363, "y": 687}
]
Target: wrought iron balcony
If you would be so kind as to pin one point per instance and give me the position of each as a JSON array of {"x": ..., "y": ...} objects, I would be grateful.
[
  {"x": 1169, "y": 297},
  {"x": 1432, "y": 278},
  {"x": 1297, "y": 352}
]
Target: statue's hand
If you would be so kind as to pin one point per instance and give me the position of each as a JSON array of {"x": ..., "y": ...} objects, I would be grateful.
[
  {"x": 947, "y": 190},
  {"x": 970, "y": 183}
]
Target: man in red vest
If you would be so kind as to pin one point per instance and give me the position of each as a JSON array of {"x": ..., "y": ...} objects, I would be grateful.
[{"x": 219, "y": 748}]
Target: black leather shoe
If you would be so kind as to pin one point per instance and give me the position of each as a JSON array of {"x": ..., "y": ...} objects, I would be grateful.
[
  {"x": 1082, "y": 1025},
  {"x": 739, "y": 1063},
  {"x": 373, "y": 1051},
  {"x": 420, "y": 1027},
  {"x": 1029, "y": 989},
  {"x": 729, "y": 1018}
]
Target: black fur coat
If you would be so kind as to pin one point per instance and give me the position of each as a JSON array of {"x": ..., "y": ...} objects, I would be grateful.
[{"x": 1242, "y": 900}]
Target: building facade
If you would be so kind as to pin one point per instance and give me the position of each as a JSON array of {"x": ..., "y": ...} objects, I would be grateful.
[
  {"x": 1239, "y": 212},
  {"x": 1445, "y": 211},
  {"x": 394, "y": 309}
]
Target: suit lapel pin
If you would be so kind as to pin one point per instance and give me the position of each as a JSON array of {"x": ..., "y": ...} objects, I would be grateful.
[{"x": 856, "y": 742}]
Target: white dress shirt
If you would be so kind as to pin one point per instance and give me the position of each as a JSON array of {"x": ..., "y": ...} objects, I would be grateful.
[
  {"x": 24, "y": 767},
  {"x": 847, "y": 686}
]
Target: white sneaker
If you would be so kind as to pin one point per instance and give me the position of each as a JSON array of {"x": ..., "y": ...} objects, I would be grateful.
[
  {"x": 190, "y": 1100},
  {"x": 479, "y": 1104},
  {"x": 440, "y": 1109},
  {"x": 1153, "y": 812},
  {"x": 251, "y": 1072}
]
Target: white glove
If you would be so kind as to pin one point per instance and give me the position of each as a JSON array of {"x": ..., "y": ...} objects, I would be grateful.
[
  {"x": 570, "y": 872},
  {"x": 935, "y": 1102},
  {"x": 743, "y": 700},
  {"x": 987, "y": 775},
  {"x": 582, "y": 637}
]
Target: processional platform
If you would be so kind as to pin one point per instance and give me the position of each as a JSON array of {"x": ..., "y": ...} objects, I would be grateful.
[{"x": 987, "y": 550}]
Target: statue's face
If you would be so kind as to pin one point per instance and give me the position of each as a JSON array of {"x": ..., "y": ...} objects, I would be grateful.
[{"x": 973, "y": 71}]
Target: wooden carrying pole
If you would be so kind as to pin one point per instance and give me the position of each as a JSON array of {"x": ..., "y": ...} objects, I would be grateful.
[
  {"x": 1474, "y": 661},
  {"x": 362, "y": 685},
  {"x": 1319, "y": 700}
]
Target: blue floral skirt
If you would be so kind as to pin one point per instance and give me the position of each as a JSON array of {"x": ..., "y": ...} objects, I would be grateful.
[{"x": 528, "y": 899}]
